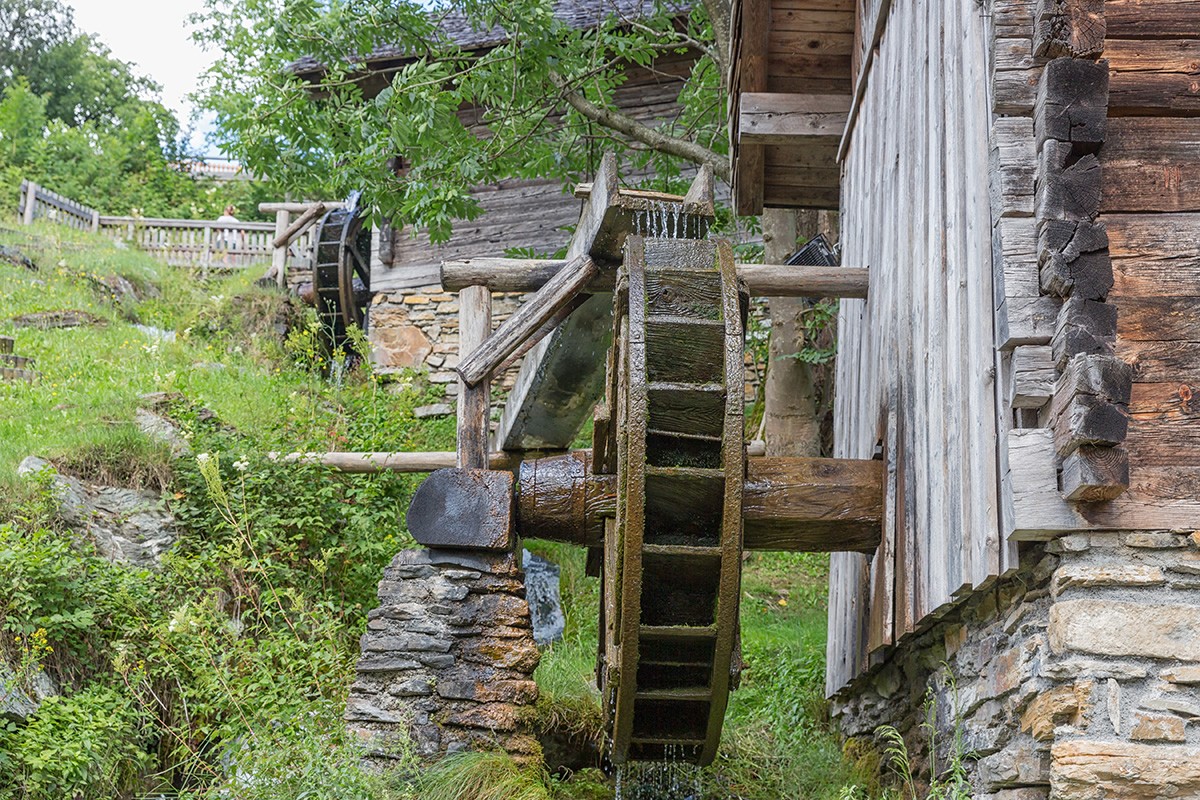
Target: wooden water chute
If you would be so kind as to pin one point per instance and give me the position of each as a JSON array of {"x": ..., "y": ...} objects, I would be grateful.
[{"x": 666, "y": 501}]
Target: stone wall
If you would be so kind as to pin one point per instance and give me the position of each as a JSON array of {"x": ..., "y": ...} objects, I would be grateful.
[
  {"x": 1076, "y": 678},
  {"x": 447, "y": 660},
  {"x": 418, "y": 329}
]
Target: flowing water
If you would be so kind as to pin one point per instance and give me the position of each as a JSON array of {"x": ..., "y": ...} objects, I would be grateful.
[
  {"x": 672, "y": 779},
  {"x": 666, "y": 220}
]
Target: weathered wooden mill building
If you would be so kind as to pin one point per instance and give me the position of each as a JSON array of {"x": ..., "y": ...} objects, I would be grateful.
[{"x": 1022, "y": 179}]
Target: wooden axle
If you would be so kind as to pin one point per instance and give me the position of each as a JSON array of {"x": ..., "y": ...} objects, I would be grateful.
[
  {"x": 763, "y": 280},
  {"x": 788, "y": 504}
]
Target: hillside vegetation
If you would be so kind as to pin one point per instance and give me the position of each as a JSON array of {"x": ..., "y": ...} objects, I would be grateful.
[{"x": 223, "y": 672}]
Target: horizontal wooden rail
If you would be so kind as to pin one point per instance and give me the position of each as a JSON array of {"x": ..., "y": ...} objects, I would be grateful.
[
  {"x": 37, "y": 202},
  {"x": 763, "y": 280},
  {"x": 297, "y": 208},
  {"x": 368, "y": 463}
]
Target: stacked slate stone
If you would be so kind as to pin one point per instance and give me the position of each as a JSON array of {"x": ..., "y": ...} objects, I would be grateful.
[
  {"x": 447, "y": 660},
  {"x": 1075, "y": 678}
]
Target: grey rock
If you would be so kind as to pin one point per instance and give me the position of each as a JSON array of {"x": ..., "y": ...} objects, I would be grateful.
[
  {"x": 1175, "y": 705},
  {"x": 433, "y": 410},
  {"x": 162, "y": 430},
  {"x": 19, "y": 699},
  {"x": 126, "y": 525},
  {"x": 545, "y": 603}
]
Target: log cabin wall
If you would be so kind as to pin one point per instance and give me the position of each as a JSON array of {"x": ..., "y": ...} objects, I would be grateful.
[{"x": 533, "y": 216}]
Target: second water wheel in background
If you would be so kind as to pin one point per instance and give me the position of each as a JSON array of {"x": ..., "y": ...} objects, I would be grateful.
[
  {"x": 341, "y": 262},
  {"x": 672, "y": 556}
]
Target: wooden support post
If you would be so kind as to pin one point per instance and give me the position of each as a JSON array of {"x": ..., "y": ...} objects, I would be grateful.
[
  {"x": 527, "y": 325},
  {"x": 474, "y": 325},
  {"x": 206, "y": 259},
  {"x": 95, "y": 222},
  {"x": 31, "y": 192},
  {"x": 279, "y": 254}
]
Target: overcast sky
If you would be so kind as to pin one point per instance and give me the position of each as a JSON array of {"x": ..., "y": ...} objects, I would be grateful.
[{"x": 153, "y": 34}]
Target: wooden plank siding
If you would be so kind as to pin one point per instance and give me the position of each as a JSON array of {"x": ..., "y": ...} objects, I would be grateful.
[{"x": 917, "y": 364}]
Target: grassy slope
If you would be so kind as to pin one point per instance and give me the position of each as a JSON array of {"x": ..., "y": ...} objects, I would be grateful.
[{"x": 776, "y": 743}]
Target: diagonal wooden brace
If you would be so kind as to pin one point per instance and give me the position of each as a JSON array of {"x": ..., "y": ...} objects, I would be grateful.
[{"x": 529, "y": 321}]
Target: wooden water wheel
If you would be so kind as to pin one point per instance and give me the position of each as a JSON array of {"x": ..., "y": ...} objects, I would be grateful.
[
  {"x": 672, "y": 554},
  {"x": 666, "y": 500},
  {"x": 341, "y": 273}
]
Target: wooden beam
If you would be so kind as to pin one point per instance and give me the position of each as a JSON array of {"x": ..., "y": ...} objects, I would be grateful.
[
  {"x": 282, "y": 240},
  {"x": 474, "y": 325},
  {"x": 776, "y": 118},
  {"x": 1159, "y": 497},
  {"x": 749, "y": 159},
  {"x": 563, "y": 375},
  {"x": 297, "y": 208},
  {"x": 370, "y": 463},
  {"x": 526, "y": 325},
  {"x": 763, "y": 280},
  {"x": 813, "y": 504},
  {"x": 782, "y": 280}
]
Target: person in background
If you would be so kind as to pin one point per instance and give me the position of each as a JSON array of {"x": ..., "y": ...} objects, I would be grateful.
[{"x": 228, "y": 238}]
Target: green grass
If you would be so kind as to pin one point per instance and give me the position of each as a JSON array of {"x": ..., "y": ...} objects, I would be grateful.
[{"x": 227, "y": 357}]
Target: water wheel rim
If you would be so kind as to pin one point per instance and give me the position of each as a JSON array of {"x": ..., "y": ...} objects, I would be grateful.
[{"x": 632, "y": 734}]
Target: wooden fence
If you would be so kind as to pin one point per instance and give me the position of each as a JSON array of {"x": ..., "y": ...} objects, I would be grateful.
[
  {"x": 202, "y": 244},
  {"x": 38, "y": 202}
]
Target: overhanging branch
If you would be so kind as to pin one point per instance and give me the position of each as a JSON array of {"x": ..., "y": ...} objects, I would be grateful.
[{"x": 641, "y": 132}]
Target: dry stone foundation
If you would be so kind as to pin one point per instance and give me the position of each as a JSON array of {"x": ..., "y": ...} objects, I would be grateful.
[
  {"x": 1076, "y": 678},
  {"x": 447, "y": 660}
]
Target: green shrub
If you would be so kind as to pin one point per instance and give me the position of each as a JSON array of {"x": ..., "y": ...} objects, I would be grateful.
[{"x": 83, "y": 746}]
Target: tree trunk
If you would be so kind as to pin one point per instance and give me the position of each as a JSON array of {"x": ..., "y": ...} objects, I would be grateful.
[{"x": 792, "y": 427}]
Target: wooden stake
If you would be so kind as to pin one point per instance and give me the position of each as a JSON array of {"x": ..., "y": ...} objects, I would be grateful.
[{"x": 474, "y": 325}]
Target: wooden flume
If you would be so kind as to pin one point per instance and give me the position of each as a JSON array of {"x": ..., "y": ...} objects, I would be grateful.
[{"x": 667, "y": 500}]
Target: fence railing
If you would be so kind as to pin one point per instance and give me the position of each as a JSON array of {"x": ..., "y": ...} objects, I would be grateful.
[
  {"x": 203, "y": 244},
  {"x": 38, "y": 202},
  {"x": 206, "y": 244}
]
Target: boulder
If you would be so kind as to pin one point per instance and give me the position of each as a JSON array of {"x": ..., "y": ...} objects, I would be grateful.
[{"x": 126, "y": 525}]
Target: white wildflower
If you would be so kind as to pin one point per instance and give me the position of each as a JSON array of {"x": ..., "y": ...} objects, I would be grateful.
[{"x": 241, "y": 466}]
